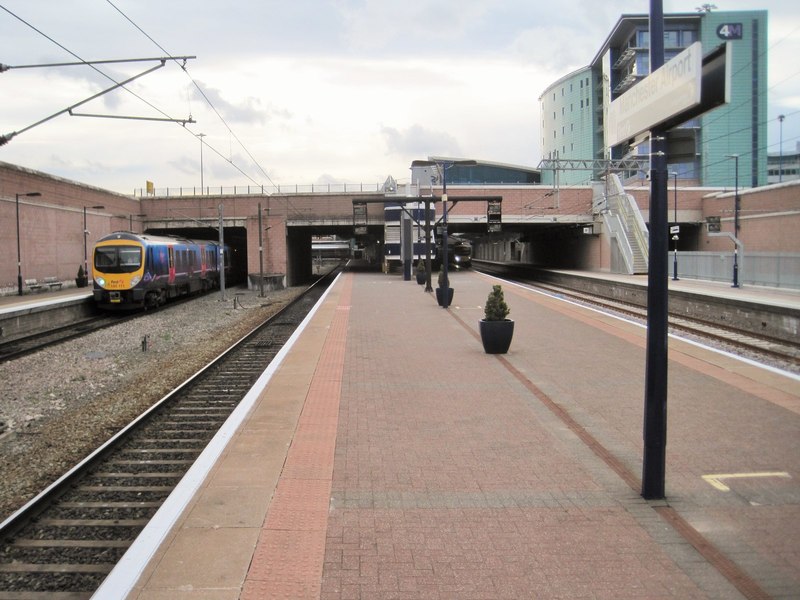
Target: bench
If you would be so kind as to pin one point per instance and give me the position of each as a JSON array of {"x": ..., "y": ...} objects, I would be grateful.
[
  {"x": 53, "y": 283},
  {"x": 32, "y": 284}
]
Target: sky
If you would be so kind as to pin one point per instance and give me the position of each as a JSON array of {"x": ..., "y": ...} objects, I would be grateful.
[{"x": 310, "y": 91}]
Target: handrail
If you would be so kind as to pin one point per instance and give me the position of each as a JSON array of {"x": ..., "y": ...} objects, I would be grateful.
[{"x": 263, "y": 190}]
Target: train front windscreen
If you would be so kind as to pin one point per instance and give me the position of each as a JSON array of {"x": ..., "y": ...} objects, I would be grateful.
[{"x": 117, "y": 259}]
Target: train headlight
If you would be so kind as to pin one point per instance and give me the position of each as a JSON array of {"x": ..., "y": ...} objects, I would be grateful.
[
  {"x": 101, "y": 281},
  {"x": 134, "y": 280}
]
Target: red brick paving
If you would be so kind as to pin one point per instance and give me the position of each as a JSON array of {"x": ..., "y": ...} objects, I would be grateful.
[{"x": 421, "y": 468}]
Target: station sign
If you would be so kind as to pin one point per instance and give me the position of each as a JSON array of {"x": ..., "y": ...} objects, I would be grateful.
[
  {"x": 359, "y": 218},
  {"x": 667, "y": 91},
  {"x": 713, "y": 224},
  {"x": 494, "y": 215}
]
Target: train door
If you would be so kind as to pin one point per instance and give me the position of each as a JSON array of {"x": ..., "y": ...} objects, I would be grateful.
[{"x": 171, "y": 264}]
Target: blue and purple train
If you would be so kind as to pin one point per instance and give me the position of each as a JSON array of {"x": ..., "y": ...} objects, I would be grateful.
[{"x": 133, "y": 271}]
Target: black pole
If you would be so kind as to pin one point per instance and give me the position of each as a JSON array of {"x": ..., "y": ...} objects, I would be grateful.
[
  {"x": 675, "y": 236},
  {"x": 446, "y": 282},
  {"x": 85, "y": 235},
  {"x": 655, "y": 400},
  {"x": 736, "y": 225},
  {"x": 428, "y": 287},
  {"x": 260, "y": 254},
  {"x": 19, "y": 256}
]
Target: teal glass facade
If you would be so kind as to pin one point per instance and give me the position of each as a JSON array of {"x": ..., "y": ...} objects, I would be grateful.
[{"x": 573, "y": 117}]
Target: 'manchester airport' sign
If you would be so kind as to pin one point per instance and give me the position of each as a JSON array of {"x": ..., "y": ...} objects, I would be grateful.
[{"x": 672, "y": 89}]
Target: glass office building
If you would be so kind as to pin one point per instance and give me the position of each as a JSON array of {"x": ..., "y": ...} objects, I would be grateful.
[{"x": 574, "y": 108}]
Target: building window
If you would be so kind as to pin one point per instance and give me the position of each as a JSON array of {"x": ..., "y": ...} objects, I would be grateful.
[{"x": 672, "y": 39}]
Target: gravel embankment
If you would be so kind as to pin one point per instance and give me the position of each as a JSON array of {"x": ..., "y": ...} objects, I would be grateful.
[{"x": 59, "y": 404}]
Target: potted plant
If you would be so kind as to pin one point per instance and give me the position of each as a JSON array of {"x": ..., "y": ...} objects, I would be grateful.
[
  {"x": 421, "y": 273},
  {"x": 81, "y": 280},
  {"x": 496, "y": 328},
  {"x": 444, "y": 292}
]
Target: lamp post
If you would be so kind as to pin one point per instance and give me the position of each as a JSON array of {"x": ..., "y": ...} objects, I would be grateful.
[
  {"x": 19, "y": 256},
  {"x": 261, "y": 230},
  {"x": 780, "y": 161},
  {"x": 85, "y": 235},
  {"x": 443, "y": 165},
  {"x": 675, "y": 235},
  {"x": 735, "y": 157}
]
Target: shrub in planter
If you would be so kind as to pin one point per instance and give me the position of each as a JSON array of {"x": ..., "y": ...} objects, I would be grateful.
[
  {"x": 421, "y": 273},
  {"x": 496, "y": 328},
  {"x": 444, "y": 292},
  {"x": 82, "y": 280}
]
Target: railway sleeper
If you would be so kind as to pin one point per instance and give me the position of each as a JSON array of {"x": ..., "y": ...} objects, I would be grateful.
[
  {"x": 92, "y": 522},
  {"x": 53, "y": 568},
  {"x": 121, "y": 489},
  {"x": 27, "y": 543}
]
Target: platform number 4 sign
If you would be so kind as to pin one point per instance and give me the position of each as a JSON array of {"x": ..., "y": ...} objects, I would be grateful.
[{"x": 730, "y": 31}]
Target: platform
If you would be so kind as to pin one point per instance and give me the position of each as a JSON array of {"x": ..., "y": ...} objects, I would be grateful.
[{"x": 384, "y": 455}]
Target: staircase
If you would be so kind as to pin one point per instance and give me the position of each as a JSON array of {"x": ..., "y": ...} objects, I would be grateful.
[{"x": 624, "y": 222}]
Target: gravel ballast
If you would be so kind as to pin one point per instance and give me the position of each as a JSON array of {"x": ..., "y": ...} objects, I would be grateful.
[{"x": 59, "y": 404}]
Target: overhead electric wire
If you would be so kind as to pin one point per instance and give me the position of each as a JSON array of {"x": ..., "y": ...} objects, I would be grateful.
[
  {"x": 91, "y": 64},
  {"x": 205, "y": 97},
  {"x": 82, "y": 61}
]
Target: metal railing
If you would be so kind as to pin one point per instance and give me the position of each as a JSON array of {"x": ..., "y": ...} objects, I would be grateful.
[
  {"x": 770, "y": 269},
  {"x": 263, "y": 190}
]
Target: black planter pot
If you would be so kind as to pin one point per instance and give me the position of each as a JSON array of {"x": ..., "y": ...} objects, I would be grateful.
[
  {"x": 421, "y": 277},
  {"x": 496, "y": 335},
  {"x": 81, "y": 282},
  {"x": 440, "y": 295}
]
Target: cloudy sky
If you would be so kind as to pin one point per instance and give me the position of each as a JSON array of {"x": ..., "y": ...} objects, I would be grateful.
[{"x": 310, "y": 91}]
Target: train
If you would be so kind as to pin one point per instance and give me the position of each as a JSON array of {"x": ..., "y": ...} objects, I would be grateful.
[
  {"x": 459, "y": 253},
  {"x": 133, "y": 271},
  {"x": 459, "y": 250},
  {"x": 393, "y": 215}
]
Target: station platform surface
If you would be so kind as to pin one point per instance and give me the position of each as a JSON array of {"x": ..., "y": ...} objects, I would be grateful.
[
  {"x": 15, "y": 303},
  {"x": 385, "y": 455}
]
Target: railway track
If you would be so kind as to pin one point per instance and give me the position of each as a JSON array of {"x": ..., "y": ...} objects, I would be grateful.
[
  {"x": 57, "y": 335},
  {"x": 63, "y": 543},
  {"x": 785, "y": 354},
  {"x": 31, "y": 343}
]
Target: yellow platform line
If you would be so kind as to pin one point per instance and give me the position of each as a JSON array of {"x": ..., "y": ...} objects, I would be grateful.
[{"x": 716, "y": 480}]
